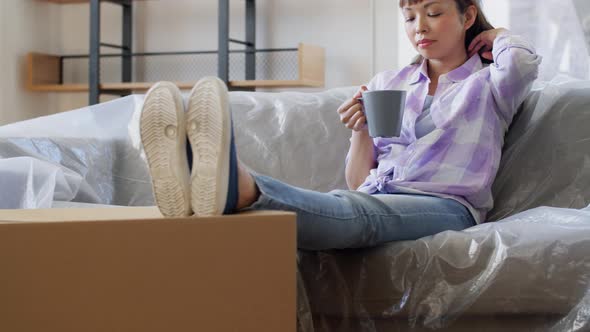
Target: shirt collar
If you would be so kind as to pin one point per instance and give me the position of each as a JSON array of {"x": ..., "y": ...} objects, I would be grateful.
[
  {"x": 456, "y": 75},
  {"x": 422, "y": 72}
]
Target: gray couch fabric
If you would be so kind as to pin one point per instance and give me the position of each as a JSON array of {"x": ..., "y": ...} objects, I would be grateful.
[{"x": 546, "y": 157}]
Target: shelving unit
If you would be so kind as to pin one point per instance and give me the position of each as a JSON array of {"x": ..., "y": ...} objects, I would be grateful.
[{"x": 45, "y": 72}]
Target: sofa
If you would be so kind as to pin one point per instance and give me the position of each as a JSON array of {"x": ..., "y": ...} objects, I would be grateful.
[{"x": 526, "y": 269}]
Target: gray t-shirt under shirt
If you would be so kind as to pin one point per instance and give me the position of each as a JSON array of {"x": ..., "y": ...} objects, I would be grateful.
[{"x": 424, "y": 124}]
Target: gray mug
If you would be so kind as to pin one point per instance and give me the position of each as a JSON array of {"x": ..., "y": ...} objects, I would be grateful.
[{"x": 384, "y": 110}]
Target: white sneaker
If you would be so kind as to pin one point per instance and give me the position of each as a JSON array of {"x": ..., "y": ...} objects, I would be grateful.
[
  {"x": 163, "y": 136},
  {"x": 209, "y": 133}
]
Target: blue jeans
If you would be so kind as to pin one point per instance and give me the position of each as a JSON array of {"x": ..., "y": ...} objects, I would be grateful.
[{"x": 349, "y": 219}]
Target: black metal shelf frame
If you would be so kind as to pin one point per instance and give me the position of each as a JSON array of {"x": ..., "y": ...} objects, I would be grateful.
[
  {"x": 65, "y": 59},
  {"x": 127, "y": 44}
]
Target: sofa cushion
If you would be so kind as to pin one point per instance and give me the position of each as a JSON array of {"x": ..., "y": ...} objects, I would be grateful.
[
  {"x": 99, "y": 143},
  {"x": 94, "y": 171},
  {"x": 86, "y": 168},
  {"x": 533, "y": 263}
]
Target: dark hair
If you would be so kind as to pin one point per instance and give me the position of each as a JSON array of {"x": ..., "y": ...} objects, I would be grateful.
[{"x": 480, "y": 25}]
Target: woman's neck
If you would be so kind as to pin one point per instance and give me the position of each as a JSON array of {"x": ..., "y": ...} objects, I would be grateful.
[{"x": 437, "y": 67}]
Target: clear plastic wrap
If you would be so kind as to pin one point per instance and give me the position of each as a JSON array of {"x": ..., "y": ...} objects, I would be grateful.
[
  {"x": 292, "y": 136},
  {"x": 529, "y": 271},
  {"x": 90, "y": 155},
  {"x": 33, "y": 183},
  {"x": 101, "y": 145},
  {"x": 546, "y": 157}
]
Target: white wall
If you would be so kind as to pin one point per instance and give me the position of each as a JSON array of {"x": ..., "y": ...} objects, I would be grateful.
[
  {"x": 386, "y": 16},
  {"x": 26, "y": 25}
]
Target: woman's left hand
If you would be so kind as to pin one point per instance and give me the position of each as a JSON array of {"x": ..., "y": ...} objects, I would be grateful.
[{"x": 484, "y": 42}]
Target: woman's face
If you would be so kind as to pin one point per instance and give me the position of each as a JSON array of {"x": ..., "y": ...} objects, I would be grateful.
[{"x": 436, "y": 29}]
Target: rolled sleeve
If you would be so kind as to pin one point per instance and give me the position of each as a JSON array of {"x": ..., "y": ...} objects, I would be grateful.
[{"x": 515, "y": 67}]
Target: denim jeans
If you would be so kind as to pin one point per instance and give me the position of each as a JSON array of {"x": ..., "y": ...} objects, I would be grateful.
[{"x": 349, "y": 219}]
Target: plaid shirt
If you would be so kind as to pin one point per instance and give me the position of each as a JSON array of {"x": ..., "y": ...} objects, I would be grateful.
[{"x": 472, "y": 109}]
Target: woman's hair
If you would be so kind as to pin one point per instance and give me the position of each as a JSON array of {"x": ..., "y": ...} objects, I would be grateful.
[{"x": 480, "y": 25}]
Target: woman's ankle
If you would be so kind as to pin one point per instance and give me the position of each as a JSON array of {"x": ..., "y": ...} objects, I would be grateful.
[{"x": 248, "y": 191}]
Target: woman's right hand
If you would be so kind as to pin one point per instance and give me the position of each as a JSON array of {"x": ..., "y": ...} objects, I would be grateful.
[{"x": 351, "y": 112}]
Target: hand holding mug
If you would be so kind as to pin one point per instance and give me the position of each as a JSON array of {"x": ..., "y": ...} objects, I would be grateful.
[{"x": 351, "y": 112}]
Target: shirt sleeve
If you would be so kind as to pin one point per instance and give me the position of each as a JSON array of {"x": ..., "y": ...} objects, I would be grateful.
[{"x": 515, "y": 67}]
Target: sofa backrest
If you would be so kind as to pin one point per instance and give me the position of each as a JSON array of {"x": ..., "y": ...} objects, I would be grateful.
[
  {"x": 294, "y": 137},
  {"x": 298, "y": 138},
  {"x": 545, "y": 162},
  {"x": 546, "y": 157}
]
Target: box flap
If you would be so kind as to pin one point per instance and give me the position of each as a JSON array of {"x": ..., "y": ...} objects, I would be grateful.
[{"x": 100, "y": 214}]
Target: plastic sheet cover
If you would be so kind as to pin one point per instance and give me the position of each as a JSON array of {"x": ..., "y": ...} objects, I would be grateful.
[
  {"x": 529, "y": 271},
  {"x": 546, "y": 157},
  {"x": 90, "y": 155},
  {"x": 94, "y": 155}
]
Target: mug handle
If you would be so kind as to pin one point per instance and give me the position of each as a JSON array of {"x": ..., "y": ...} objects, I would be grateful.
[{"x": 361, "y": 101}]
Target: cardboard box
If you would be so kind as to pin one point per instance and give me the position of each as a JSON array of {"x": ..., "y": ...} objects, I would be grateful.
[{"x": 130, "y": 269}]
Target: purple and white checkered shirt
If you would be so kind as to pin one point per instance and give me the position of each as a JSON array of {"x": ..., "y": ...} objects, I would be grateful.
[{"x": 472, "y": 109}]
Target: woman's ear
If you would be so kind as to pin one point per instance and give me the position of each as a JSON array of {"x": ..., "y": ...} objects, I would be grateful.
[{"x": 470, "y": 16}]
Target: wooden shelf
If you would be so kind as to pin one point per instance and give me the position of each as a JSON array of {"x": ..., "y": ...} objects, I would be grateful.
[
  {"x": 64, "y": 1},
  {"x": 43, "y": 72},
  {"x": 71, "y": 1}
]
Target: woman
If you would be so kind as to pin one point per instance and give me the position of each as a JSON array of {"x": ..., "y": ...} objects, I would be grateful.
[{"x": 436, "y": 176}]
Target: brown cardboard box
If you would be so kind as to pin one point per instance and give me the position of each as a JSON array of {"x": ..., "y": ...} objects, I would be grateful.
[{"x": 129, "y": 269}]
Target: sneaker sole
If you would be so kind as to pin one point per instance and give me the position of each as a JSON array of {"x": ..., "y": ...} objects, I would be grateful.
[
  {"x": 163, "y": 135},
  {"x": 209, "y": 133}
]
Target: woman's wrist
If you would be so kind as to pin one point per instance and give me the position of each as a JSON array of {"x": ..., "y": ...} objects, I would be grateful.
[
  {"x": 361, "y": 134},
  {"x": 362, "y": 158},
  {"x": 362, "y": 144}
]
